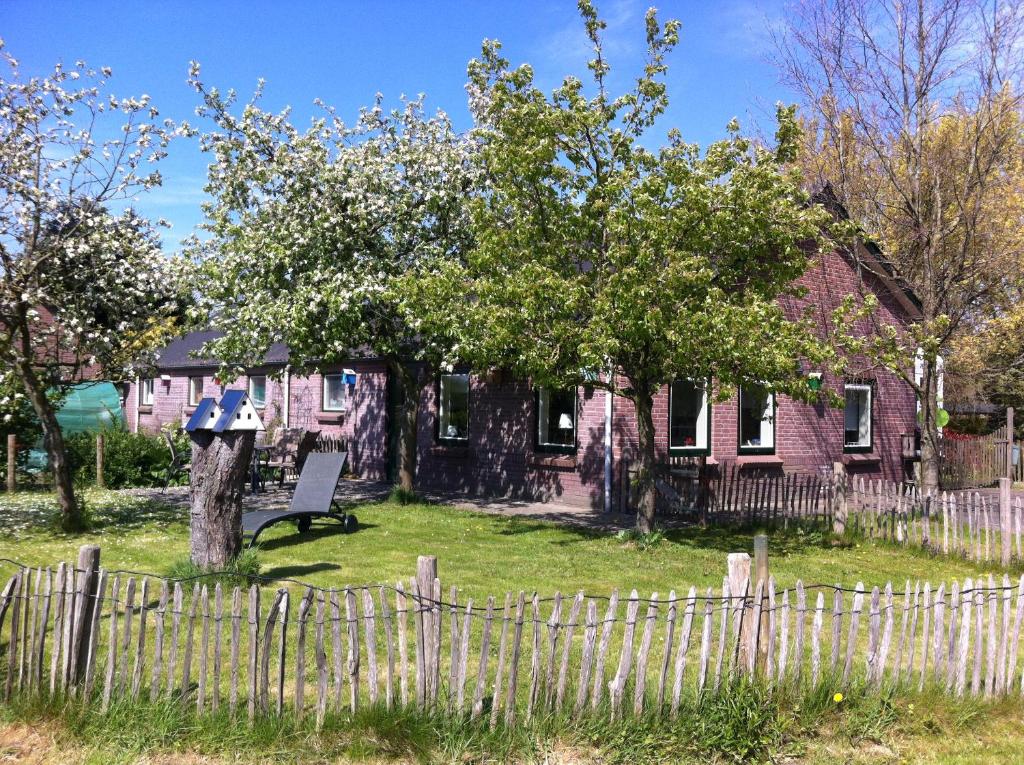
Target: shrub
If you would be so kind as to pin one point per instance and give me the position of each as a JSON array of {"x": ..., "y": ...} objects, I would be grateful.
[
  {"x": 131, "y": 460},
  {"x": 640, "y": 540}
]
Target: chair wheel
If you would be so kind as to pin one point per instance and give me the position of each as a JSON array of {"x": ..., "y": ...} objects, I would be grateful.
[
  {"x": 304, "y": 524},
  {"x": 350, "y": 523}
]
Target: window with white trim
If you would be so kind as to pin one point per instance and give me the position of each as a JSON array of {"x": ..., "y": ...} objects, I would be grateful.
[
  {"x": 688, "y": 419},
  {"x": 195, "y": 390},
  {"x": 258, "y": 390},
  {"x": 757, "y": 420},
  {"x": 146, "y": 392},
  {"x": 556, "y": 419},
  {"x": 334, "y": 393},
  {"x": 857, "y": 416},
  {"x": 453, "y": 407}
]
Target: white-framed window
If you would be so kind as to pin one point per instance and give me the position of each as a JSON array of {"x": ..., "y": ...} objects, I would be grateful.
[
  {"x": 689, "y": 423},
  {"x": 195, "y": 390},
  {"x": 556, "y": 420},
  {"x": 146, "y": 392},
  {"x": 258, "y": 390},
  {"x": 756, "y": 420},
  {"x": 857, "y": 417},
  {"x": 453, "y": 407},
  {"x": 334, "y": 393}
]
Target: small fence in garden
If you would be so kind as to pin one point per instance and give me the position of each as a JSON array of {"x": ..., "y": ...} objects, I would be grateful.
[
  {"x": 981, "y": 526},
  {"x": 975, "y": 461},
  {"x": 735, "y": 495},
  {"x": 105, "y": 636},
  {"x": 976, "y": 526}
]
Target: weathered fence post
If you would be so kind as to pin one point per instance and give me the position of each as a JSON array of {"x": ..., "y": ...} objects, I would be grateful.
[
  {"x": 1009, "y": 442},
  {"x": 840, "y": 497},
  {"x": 426, "y": 575},
  {"x": 761, "y": 577},
  {"x": 81, "y": 644},
  {"x": 1005, "y": 517},
  {"x": 739, "y": 586},
  {"x": 12, "y": 456},
  {"x": 100, "y": 484}
]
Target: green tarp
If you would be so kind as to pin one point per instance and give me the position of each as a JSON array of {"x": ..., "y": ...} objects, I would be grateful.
[{"x": 87, "y": 408}]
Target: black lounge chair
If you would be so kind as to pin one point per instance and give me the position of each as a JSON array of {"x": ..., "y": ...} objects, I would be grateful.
[{"x": 313, "y": 499}]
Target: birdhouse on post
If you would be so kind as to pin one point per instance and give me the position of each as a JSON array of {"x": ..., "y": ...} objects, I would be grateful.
[
  {"x": 237, "y": 413},
  {"x": 223, "y": 435},
  {"x": 204, "y": 417}
]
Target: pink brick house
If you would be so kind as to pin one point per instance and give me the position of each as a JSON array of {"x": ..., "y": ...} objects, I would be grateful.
[{"x": 488, "y": 436}]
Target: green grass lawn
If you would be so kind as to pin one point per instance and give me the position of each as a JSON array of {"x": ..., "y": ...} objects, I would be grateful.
[{"x": 481, "y": 554}]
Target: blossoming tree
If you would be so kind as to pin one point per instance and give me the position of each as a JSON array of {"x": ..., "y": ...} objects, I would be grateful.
[
  {"x": 598, "y": 254},
  {"x": 77, "y": 281},
  {"x": 312, "y": 228}
]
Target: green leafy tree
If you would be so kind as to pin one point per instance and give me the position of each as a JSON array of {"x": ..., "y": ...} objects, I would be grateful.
[
  {"x": 597, "y": 253},
  {"x": 311, "y": 229}
]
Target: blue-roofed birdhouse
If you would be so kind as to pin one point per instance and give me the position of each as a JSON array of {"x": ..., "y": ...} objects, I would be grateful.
[
  {"x": 204, "y": 417},
  {"x": 349, "y": 376},
  {"x": 237, "y": 413}
]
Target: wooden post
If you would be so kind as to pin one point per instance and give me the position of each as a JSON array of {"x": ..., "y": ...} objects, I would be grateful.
[
  {"x": 88, "y": 570},
  {"x": 1005, "y": 517},
  {"x": 839, "y": 497},
  {"x": 739, "y": 586},
  {"x": 426, "y": 574},
  {"x": 12, "y": 455},
  {"x": 1010, "y": 443},
  {"x": 99, "y": 461},
  {"x": 761, "y": 576}
]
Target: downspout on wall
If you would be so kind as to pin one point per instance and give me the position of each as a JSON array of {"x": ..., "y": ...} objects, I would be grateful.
[
  {"x": 286, "y": 414},
  {"x": 608, "y": 409},
  {"x": 138, "y": 403}
]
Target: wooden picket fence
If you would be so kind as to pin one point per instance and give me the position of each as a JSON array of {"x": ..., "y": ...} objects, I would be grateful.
[
  {"x": 974, "y": 461},
  {"x": 109, "y": 637},
  {"x": 968, "y": 524},
  {"x": 734, "y": 495}
]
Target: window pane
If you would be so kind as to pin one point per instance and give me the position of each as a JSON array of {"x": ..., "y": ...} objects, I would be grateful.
[
  {"x": 556, "y": 417},
  {"x": 258, "y": 390},
  {"x": 688, "y": 424},
  {"x": 453, "y": 408},
  {"x": 757, "y": 426},
  {"x": 147, "y": 392},
  {"x": 334, "y": 393},
  {"x": 195, "y": 390},
  {"x": 857, "y": 416}
]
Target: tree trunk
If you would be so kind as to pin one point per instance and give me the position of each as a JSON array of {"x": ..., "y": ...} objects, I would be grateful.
[
  {"x": 56, "y": 450},
  {"x": 220, "y": 465},
  {"x": 930, "y": 454},
  {"x": 643, "y": 403},
  {"x": 411, "y": 381}
]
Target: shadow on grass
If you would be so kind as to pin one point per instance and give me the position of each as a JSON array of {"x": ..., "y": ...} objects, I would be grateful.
[
  {"x": 315, "y": 534},
  {"x": 730, "y": 539},
  {"x": 296, "y": 571},
  {"x": 38, "y": 512}
]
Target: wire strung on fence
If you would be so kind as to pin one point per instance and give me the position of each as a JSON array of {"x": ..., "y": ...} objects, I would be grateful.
[{"x": 109, "y": 635}]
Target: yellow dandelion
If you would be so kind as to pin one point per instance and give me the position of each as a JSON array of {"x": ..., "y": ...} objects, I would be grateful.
[{"x": 837, "y": 698}]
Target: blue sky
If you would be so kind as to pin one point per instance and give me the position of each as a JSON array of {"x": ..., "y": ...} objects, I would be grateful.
[{"x": 345, "y": 52}]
